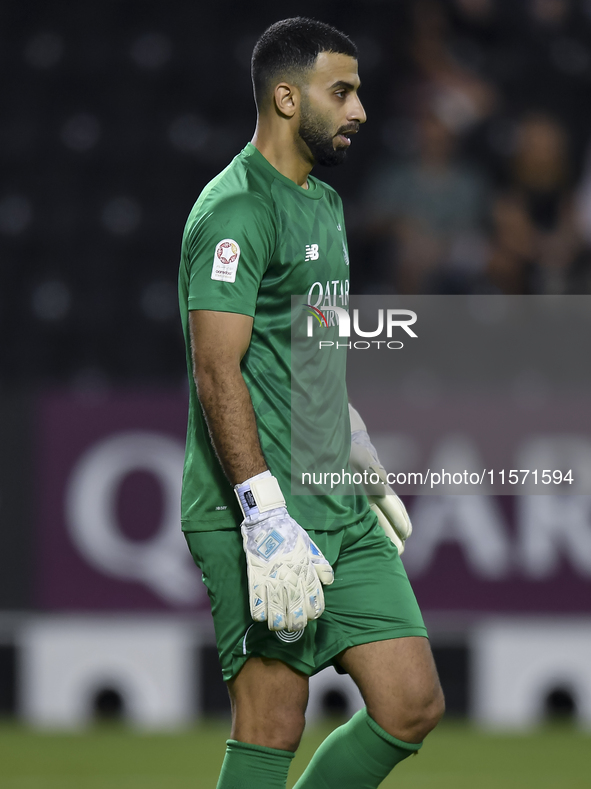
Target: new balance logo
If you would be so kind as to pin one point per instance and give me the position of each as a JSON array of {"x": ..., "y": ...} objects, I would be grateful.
[{"x": 311, "y": 252}]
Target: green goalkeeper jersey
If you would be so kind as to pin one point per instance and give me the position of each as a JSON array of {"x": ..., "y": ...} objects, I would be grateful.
[{"x": 253, "y": 240}]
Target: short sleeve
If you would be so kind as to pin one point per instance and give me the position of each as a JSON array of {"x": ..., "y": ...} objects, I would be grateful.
[{"x": 228, "y": 247}]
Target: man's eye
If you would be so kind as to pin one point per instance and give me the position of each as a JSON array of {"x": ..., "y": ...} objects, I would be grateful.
[{"x": 340, "y": 93}]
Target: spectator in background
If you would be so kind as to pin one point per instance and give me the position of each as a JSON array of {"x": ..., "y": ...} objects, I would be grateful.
[
  {"x": 582, "y": 273},
  {"x": 549, "y": 13},
  {"x": 427, "y": 216},
  {"x": 509, "y": 268},
  {"x": 427, "y": 208},
  {"x": 459, "y": 96},
  {"x": 535, "y": 244}
]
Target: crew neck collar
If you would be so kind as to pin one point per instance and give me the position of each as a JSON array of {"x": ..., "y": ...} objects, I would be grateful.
[{"x": 313, "y": 192}]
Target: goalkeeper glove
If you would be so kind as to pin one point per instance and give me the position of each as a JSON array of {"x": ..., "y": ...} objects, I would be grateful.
[
  {"x": 285, "y": 568},
  {"x": 391, "y": 512}
]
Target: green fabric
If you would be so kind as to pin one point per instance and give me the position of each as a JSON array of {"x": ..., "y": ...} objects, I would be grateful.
[
  {"x": 370, "y": 600},
  {"x": 358, "y": 755},
  {"x": 409, "y": 746},
  {"x": 253, "y": 767},
  {"x": 280, "y": 241}
]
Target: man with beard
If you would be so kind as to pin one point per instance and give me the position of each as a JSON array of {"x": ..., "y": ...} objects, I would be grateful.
[{"x": 262, "y": 231}]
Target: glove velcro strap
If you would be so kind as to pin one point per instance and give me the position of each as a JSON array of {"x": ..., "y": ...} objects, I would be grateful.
[{"x": 265, "y": 494}]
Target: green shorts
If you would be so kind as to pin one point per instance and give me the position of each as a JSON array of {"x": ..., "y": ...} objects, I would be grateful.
[{"x": 370, "y": 600}]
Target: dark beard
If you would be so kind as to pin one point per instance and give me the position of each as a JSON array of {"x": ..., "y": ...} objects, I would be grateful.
[{"x": 319, "y": 141}]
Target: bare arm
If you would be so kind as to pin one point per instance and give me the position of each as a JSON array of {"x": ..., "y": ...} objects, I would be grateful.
[{"x": 219, "y": 340}]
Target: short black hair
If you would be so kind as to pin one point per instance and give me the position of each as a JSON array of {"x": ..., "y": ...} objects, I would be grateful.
[{"x": 291, "y": 46}]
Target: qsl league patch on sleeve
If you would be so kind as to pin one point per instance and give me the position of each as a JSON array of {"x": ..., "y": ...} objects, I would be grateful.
[{"x": 225, "y": 260}]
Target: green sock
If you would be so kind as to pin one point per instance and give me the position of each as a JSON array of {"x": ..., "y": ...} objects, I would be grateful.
[
  {"x": 358, "y": 755},
  {"x": 254, "y": 767}
]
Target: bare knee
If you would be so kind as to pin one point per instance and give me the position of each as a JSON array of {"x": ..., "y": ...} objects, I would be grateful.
[
  {"x": 280, "y": 728},
  {"x": 268, "y": 704},
  {"x": 413, "y": 721},
  {"x": 284, "y": 729},
  {"x": 430, "y": 714},
  {"x": 399, "y": 683}
]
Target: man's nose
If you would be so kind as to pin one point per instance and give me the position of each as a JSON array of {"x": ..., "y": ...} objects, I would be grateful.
[{"x": 357, "y": 113}]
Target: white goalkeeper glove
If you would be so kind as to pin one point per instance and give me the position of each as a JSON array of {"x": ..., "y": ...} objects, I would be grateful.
[
  {"x": 285, "y": 568},
  {"x": 391, "y": 512}
]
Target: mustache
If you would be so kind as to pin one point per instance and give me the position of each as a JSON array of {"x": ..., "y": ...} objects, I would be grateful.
[{"x": 351, "y": 127}]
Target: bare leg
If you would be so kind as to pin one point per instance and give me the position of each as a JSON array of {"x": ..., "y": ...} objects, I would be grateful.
[
  {"x": 399, "y": 684},
  {"x": 268, "y": 700}
]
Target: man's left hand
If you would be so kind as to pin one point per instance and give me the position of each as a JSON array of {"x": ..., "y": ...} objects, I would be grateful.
[{"x": 391, "y": 512}]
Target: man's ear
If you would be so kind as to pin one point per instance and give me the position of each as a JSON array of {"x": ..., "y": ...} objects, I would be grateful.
[{"x": 286, "y": 99}]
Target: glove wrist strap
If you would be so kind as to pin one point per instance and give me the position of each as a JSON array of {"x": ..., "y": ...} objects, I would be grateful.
[{"x": 259, "y": 494}]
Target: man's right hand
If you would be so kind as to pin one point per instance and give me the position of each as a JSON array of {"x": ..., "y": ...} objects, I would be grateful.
[{"x": 286, "y": 570}]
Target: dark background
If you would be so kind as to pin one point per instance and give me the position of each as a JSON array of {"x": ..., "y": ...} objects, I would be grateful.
[{"x": 116, "y": 114}]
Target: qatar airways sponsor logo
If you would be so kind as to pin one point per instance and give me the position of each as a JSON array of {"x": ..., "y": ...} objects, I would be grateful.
[
  {"x": 330, "y": 293},
  {"x": 387, "y": 321}
]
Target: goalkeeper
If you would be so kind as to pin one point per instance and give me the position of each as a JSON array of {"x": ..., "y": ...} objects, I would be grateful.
[{"x": 296, "y": 583}]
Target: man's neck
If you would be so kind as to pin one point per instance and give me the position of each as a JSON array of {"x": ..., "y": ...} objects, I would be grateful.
[{"x": 282, "y": 152}]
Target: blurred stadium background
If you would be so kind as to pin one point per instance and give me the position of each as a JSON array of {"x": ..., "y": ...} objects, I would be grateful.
[{"x": 473, "y": 175}]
